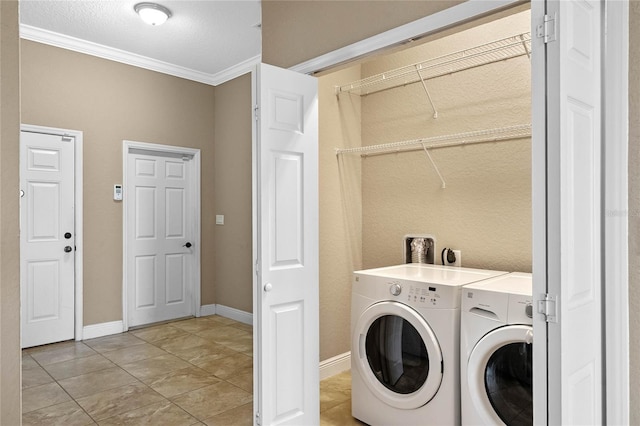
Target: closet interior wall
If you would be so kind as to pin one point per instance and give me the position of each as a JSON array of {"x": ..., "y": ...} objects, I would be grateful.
[{"x": 485, "y": 209}]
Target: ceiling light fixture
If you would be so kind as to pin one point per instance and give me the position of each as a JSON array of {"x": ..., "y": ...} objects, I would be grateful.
[{"x": 152, "y": 13}]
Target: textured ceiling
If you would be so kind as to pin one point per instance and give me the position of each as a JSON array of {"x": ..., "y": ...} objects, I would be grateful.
[{"x": 206, "y": 36}]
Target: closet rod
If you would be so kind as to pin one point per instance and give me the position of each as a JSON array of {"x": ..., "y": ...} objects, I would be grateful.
[{"x": 479, "y": 136}]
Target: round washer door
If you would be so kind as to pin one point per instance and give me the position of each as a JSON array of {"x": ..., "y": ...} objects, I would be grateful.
[
  {"x": 499, "y": 376},
  {"x": 397, "y": 355}
]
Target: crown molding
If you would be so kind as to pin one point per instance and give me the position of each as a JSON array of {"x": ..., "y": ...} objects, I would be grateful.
[{"x": 39, "y": 35}]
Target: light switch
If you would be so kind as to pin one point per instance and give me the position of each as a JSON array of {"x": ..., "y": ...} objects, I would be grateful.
[{"x": 219, "y": 219}]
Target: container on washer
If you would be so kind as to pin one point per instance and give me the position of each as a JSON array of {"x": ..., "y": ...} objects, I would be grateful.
[{"x": 419, "y": 248}]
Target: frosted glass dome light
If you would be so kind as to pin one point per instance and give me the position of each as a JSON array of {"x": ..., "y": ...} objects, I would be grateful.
[{"x": 152, "y": 13}]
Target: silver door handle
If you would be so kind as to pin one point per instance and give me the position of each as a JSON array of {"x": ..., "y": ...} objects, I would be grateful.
[{"x": 268, "y": 287}]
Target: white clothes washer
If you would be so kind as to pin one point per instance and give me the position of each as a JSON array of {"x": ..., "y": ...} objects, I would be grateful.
[
  {"x": 405, "y": 343},
  {"x": 496, "y": 337}
]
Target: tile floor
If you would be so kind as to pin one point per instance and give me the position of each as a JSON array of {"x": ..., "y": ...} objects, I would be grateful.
[{"x": 190, "y": 372}]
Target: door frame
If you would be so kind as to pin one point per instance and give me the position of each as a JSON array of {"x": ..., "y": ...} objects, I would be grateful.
[
  {"x": 169, "y": 149},
  {"x": 615, "y": 124},
  {"x": 78, "y": 210}
]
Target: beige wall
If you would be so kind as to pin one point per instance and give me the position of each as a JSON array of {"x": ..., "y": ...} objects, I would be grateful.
[
  {"x": 10, "y": 412},
  {"x": 296, "y": 31},
  {"x": 340, "y": 210},
  {"x": 110, "y": 102},
  {"x": 232, "y": 186},
  {"x": 634, "y": 211},
  {"x": 485, "y": 210}
]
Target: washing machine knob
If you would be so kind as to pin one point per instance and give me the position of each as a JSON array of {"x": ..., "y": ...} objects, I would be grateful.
[{"x": 395, "y": 289}]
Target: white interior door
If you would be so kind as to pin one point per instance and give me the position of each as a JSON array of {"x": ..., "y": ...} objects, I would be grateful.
[
  {"x": 573, "y": 214},
  {"x": 160, "y": 236},
  {"x": 47, "y": 238},
  {"x": 287, "y": 384}
]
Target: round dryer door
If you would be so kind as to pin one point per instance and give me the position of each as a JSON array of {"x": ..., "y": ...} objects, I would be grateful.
[
  {"x": 499, "y": 376},
  {"x": 398, "y": 356}
]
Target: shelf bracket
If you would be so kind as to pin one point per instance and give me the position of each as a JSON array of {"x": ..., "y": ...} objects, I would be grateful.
[
  {"x": 444, "y": 185},
  {"x": 424, "y": 86}
]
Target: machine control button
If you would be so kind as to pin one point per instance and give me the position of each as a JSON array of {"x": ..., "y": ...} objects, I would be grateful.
[
  {"x": 395, "y": 289},
  {"x": 528, "y": 310}
]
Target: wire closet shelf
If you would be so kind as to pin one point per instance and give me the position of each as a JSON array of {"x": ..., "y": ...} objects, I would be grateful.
[
  {"x": 496, "y": 51},
  {"x": 519, "y": 131}
]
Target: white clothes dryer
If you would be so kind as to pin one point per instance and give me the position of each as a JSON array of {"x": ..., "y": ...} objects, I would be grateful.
[
  {"x": 405, "y": 346},
  {"x": 496, "y": 337}
]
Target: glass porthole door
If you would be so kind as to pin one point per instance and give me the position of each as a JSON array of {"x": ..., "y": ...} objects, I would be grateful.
[
  {"x": 398, "y": 355},
  {"x": 499, "y": 376}
]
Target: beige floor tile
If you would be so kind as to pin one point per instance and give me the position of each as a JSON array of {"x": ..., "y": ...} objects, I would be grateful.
[
  {"x": 120, "y": 400},
  {"x": 339, "y": 416},
  {"x": 212, "y": 400},
  {"x": 49, "y": 347},
  {"x": 98, "y": 381},
  {"x": 65, "y": 414},
  {"x": 35, "y": 376},
  {"x": 239, "y": 416},
  {"x": 241, "y": 343},
  {"x": 181, "y": 342},
  {"x": 196, "y": 324},
  {"x": 28, "y": 361},
  {"x": 206, "y": 352},
  {"x": 38, "y": 397},
  {"x": 229, "y": 366},
  {"x": 223, "y": 320},
  {"x": 244, "y": 381},
  {"x": 159, "y": 414},
  {"x": 155, "y": 367},
  {"x": 115, "y": 342},
  {"x": 133, "y": 354},
  {"x": 244, "y": 327},
  {"x": 64, "y": 353},
  {"x": 77, "y": 367},
  {"x": 219, "y": 334},
  {"x": 160, "y": 332},
  {"x": 180, "y": 381}
]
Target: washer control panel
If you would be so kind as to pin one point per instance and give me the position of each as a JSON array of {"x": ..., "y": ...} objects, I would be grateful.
[{"x": 423, "y": 294}]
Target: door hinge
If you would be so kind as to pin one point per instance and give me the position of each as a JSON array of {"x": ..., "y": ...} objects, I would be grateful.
[
  {"x": 256, "y": 112},
  {"x": 547, "y": 29},
  {"x": 257, "y": 268},
  {"x": 66, "y": 138},
  {"x": 258, "y": 419},
  {"x": 548, "y": 307}
]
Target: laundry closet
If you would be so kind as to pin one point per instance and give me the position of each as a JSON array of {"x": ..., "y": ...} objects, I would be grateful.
[{"x": 428, "y": 139}]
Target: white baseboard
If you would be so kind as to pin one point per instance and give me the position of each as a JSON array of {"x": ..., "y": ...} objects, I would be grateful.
[
  {"x": 102, "y": 329},
  {"x": 234, "y": 314},
  {"x": 335, "y": 365},
  {"x": 207, "y": 310}
]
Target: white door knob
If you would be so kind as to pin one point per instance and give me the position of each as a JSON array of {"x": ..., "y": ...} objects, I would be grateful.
[{"x": 268, "y": 287}]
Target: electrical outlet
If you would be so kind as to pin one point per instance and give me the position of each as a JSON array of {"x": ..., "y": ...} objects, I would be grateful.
[{"x": 458, "y": 261}]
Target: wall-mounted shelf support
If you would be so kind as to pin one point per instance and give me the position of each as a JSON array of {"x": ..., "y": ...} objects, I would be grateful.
[
  {"x": 424, "y": 86},
  {"x": 444, "y": 185}
]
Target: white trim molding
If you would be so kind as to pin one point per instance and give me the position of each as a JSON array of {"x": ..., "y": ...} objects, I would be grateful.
[
  {"x": 63, "y": 41},
  {"x": 234, "y": 314},
  {"x": 102, "y": 329},
  {"x": 335, "y": 365},
  {"x": 452, "y": 16},
  {"x": 206, "y": 310},
  {"x": 79, "y": 224}
]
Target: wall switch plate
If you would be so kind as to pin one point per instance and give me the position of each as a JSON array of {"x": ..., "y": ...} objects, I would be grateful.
[{"x": 219, "y": 219}]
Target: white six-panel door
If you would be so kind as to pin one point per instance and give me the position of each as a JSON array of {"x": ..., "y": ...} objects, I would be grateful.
[
  {"x": 47, "y": 238},
  {"x": 287, "y": 378},
  {"x": 574, "y": 213},
  {"x": 160, "y": 240}
]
